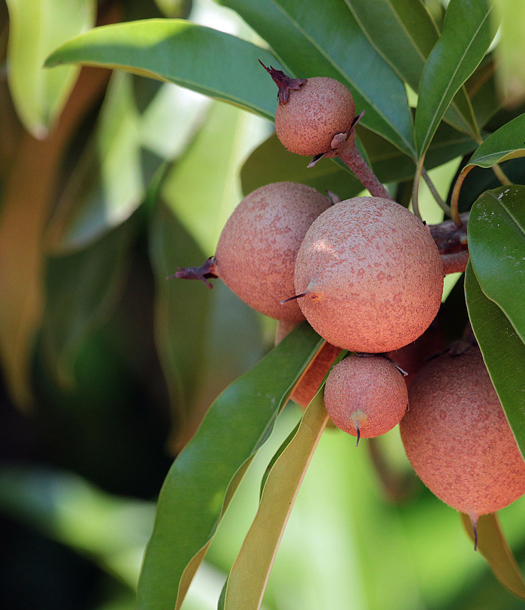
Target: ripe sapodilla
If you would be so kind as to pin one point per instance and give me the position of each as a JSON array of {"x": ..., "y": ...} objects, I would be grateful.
[
  {"x": 313, "y": 115},
  {"x": 457, "y": 438},
  {"x": 257, "y": 248},
  {"x": 365, "y": 396},
  {"x": 368, "y": 275}
]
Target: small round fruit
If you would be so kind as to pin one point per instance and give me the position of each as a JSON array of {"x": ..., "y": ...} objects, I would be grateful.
[
  {"x": 308, "y": 385},
  {"x": 365, "y": 396},
  {"x": 259, "y": 243},
  {"x": 371, "y": 275},
  {"x": 457, "y": 438},
  {"x": 313, "y": 115}
]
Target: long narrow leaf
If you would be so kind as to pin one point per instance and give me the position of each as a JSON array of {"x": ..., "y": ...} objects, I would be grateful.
[
  {"x": 192, "y": 498},
  {"x": 249, "y": 575},
  {"x": 207, "y": 61}
]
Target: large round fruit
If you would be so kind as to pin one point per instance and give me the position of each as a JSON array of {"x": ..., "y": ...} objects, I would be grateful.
[
  {"x": 259, "y": 243},
  {"x": 365, "y": 396},
  {"x": 371, "y": 275},
  {"x": 313, "y": 115},
  {"x": 457, "y": 438}
]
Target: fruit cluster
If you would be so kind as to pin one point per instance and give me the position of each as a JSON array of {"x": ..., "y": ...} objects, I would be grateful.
[{"x": 367, "y": 275}]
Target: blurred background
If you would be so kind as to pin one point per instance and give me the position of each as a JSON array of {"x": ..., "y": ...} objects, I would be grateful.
[{"x": 106, "y": 187}]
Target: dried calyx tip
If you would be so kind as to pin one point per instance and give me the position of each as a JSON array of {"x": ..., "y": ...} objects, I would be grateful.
[
  {"x": 474, "y": 522},
  {"x": 284, "y": 82},
  {"x": 296, "y": 296},
  {"x": 358, "y": 430},
  {"x": 206, "y": 271}
]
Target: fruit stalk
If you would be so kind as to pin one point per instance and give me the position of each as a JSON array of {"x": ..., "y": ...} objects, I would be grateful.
[{"x": 352, "y": 158}]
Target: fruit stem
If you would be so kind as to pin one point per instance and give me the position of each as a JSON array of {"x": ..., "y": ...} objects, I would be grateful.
[
  {"x": 352, "y": 158},
  {"x": 434, "y": 192},
  {"x": 449, "y": 237},
  {"x": 455, "y": 263}
]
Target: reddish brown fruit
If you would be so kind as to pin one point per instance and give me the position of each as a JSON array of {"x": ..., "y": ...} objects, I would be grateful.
[
  {"x": 259, "y": 243},
  {"x": 371, "y": 275},
  {"x": 365, "y": 396},
  {"x": 313, "y": 115},
  {"x": 457, "y": 438},
  {"x": 307, "y": 387}
]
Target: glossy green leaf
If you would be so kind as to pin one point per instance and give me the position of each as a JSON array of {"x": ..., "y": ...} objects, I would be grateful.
[
  {"x": 311, "y": 40},
  {"x": 81, "y": 291},
  {"x": 270, "y": 162},
  {"x": 508, "y": 142},
  {"x": 249, "y": 574},
  {"x": 481, "y": 88},
  {"x": 510, "y": 50},
  {"x": 496, "y": 232},
  {"x": 494, "y": 547},
  {"x": 412, "y": 33},
  {"x": 201, "y": 59},
  {"x": 465, "y": 38},
  {"x": 36, "y": 27},
  {"x": 192, "y": 497},
  {"x": 503, "y": 352}
]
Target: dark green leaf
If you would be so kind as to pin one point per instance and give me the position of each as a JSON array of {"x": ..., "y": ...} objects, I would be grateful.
[
  {"x": 463, "y": 43},
  {"x": 207, "y": 61},
  {"x": 411, "y": 35},
  {"x": 503, "y": 352},
  {"x": 249, "y": 574},
  {"x": 192, "y": 497},
  {"x": 315, "y": 40},
  {"x": 508, "y": 142},
  {"x": 481, "y": 88},
  {"x": 81, "y": 290},
  {"x": 496, "y": 231},
  {"x": 493, "y": 546},
  {"x": 270, "y": 162},
  {"x": 36, "y": 27}
]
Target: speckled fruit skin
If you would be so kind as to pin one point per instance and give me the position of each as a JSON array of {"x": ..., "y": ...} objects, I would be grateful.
[
  {"x": 258, "y": 245},
  {"x": 313, "y": 115},
  {"x": 457, "y": 438},
  {"x": 365, "y": 390},
  {"x": 372, "y": 273},
  {"x": 307, "y": 387}
]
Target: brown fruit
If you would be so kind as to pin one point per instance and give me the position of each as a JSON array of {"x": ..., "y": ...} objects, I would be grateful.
[
  {"x": 371, "y": 275},
  {"x": 307, "y": 387},
  {"x": 313, "y": 115},
  {"x": 365, "y": 396},
  {"x": 457, "y": 438},
  {"x": 258, "y": 245}
]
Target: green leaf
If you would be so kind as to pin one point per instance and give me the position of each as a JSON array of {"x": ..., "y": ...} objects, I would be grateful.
[
  {"x": 508, "y": 142},
  {"x": 411, "y": 35},
  {"x": 201, "y": 59},
  {"x": 503, "y": 352},
  {"x": 81, "y": 291},
  {"x": 192, "y": 497},
  {"x": 311, "y": 40},
  {"x": 481, "y": 88},
  {"x": 249, "y": 574},
  {"x": 493, "y": 546},
  {"x": 465, "y": 38},
  {"x": 36, "y": 27},
  {"x": 270, "y": 162},
  {"x": 510, "y": 50},
  {"x": 496, "y": 232}
]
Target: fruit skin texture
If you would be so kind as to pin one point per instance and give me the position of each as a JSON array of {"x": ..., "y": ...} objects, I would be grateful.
[
  {"x": 259, "y": 243},
  {"x": 308, "y": 385},
  {"x": 457, "y": 438},
  {"x": 313, "y": 115},
  {"x": 365, "y": 392},
  {"x": 372, "y": 275}
]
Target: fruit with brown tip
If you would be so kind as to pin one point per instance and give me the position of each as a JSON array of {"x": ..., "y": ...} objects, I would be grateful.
[
  {"x": 257, "y": 248},
  {"x": 365, "y": 396},
  {"x": 313, "y": 115},
  {"x": 368, "y": 275},
  {"x": 457, "y": 438}
]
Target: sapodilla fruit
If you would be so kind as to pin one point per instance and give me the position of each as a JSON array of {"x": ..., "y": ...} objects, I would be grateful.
[
  {"x": 313, "y": 115},
  {"x": 308, "y": 385},
  {"x": 457, "y": 438},
  {"x": 259, "y": 243},
  {"x": 368, "y": 275},
  {"x": 365, "y": 396}
]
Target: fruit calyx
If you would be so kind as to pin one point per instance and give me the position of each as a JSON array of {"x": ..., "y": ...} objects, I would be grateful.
[
  {"x": 206, "y": 271},
  {"x": 284, "y": 82}
]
